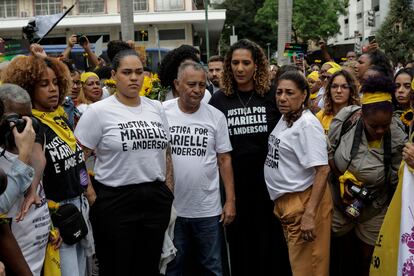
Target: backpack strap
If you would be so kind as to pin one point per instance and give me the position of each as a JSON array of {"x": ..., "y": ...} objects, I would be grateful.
[{"x": 356, "y": 141}]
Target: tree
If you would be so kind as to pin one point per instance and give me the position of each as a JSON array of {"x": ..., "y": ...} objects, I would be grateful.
[
  {"x": 396, "y": 36},
  {"x": 312, "y": 19},
  {"x": 241, "y": 14}
]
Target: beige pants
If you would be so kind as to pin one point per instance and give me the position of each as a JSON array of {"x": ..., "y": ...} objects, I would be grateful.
[{"x": 306, "y": 258}]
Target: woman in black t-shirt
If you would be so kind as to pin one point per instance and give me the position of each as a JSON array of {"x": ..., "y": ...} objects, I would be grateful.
[
  {"x": 47, "y": 80},
  {"x": 256, "y": 241}
]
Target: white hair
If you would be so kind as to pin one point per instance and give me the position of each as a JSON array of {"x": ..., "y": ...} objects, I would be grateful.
[{"x": 11, "y": 93}]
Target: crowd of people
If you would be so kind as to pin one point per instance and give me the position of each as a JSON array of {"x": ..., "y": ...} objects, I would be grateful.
[{"x": 236, "y": 167}]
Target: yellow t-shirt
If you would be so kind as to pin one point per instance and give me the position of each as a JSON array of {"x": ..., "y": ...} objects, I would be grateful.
[
  {"x": 374, "y": 144},
  {"x": 324, "y": 119}
]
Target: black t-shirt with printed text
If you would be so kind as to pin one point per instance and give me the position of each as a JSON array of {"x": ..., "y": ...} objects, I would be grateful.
[
  {"x": 250, "y": 119},
  {"x": 65, "y": 175}
]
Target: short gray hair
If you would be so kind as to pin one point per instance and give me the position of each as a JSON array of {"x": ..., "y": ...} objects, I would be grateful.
[
  {"x": 189, "y": 64},
  {"x": 11, "y": 93}
]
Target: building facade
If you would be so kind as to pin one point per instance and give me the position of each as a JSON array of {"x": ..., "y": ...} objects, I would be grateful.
[
  {"x": 157, "y": 23},
  {"x": 362, "y": 20}
]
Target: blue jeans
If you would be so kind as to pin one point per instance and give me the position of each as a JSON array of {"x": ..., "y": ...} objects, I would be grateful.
[
  {"x": 206, "y": 234},
  {"x": 73, "y": 257}
]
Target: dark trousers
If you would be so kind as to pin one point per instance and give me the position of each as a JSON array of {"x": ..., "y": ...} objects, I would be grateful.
[
  {"x": 129, "y": 223},
  {"x": 256, "y": 240}
]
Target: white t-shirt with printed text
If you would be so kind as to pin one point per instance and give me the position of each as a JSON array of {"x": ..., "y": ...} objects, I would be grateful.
[
  {"x": 130, "y": 142},
  {"x": 292, "y": 155},
  {"x": 195, "y": 140},
  {"x": 31, "y": 233}
]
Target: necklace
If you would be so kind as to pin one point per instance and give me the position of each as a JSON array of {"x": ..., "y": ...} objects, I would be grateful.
[{"x": 245, "y": 105}]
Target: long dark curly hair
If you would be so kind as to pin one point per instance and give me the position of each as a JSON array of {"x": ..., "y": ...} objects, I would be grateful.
[
  {"x": 262, "y": 79},
  {"x": 353, "y": 91}
]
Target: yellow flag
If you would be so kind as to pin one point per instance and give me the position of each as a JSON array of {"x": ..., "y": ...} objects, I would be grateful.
[
  {"x": 52, "y": 259},
  {"x": 385, "y": 258}
]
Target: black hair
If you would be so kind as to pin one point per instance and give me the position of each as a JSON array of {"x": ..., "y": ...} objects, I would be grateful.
[
  {"x": 216, "y": 58},
  {"x": 302, "y": 84},
  {"x": 69, "y": 64},
  {"x": 378, "y": 58},
  {"x": 104, "y": 72},
  {"x": 378, "y": 84},
  {"x": 407, "y": 71},
  {"x": 169, "y": 66},
  {"x": 298, "y": 78},
  {"x": 284, "y": 69},
  {"x": 114, "y": 47},
  {"x": 120, "y": 55}
]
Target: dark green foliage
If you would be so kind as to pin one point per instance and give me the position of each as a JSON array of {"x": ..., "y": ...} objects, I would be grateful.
[
  {"x": 396, "y": 34},
  {"x": 312, "y": 19},
  {"x": 241, "y": 14}
]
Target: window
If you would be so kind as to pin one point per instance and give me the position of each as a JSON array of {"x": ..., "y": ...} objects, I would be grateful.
[
  {"x": 8, "y": 8},
  {"x": 169, "y": 5},
  {"x": 346, "y": 21},
  {"x": 140, "y": 5},
  {"x": 173, "y": 34},
  {"x": 359, "y": 15},
  {"x": 91, "y": 6},
  {"x": 46, "y": 7}
]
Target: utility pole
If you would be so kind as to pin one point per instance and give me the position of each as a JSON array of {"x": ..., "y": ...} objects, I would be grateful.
[
  {"x": 206, "y": 29},
  {"x": 127, "y": 20},
  {"x": 284, "y": 29}
]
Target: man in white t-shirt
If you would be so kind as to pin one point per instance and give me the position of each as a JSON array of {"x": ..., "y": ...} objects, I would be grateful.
[{"x": 200, "y": 147}]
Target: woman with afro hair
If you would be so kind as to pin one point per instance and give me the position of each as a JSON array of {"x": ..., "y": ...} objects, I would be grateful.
[
  {"x": 257, "y": 246},
  {"x": 65, "y": 178},
  {"x": 365, "y": 154}
]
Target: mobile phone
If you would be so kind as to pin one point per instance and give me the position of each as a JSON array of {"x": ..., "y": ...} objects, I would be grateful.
[{"x": 371, "y": 38}]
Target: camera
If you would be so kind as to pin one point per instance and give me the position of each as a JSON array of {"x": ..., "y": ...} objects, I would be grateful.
[
  {"x": 360, "y": 195},
  {"x": 7, "y": 137},
  {"x": 81, "y": 38}
]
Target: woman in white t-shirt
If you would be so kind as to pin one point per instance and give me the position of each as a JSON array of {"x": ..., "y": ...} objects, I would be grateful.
[
  {"x": 133, "y": 173},
  {"x": 91, "y": 91},
  {"x": 296, "y": 171}
]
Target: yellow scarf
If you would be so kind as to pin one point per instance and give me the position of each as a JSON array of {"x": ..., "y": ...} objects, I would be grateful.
[
  {"x": 57, "y": 124},
  {"x": 347, "y": 176}
]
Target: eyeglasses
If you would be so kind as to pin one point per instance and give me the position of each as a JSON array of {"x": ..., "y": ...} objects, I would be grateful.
[{"x": 342, "y": 86}]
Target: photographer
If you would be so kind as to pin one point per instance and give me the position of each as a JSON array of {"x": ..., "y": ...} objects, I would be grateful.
[
  {"x": 19, "y": 177},
  {"x": 84, "y": 43},
  {"x": 32, "y": 233},
  {"x": 365, "y": 154}
]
